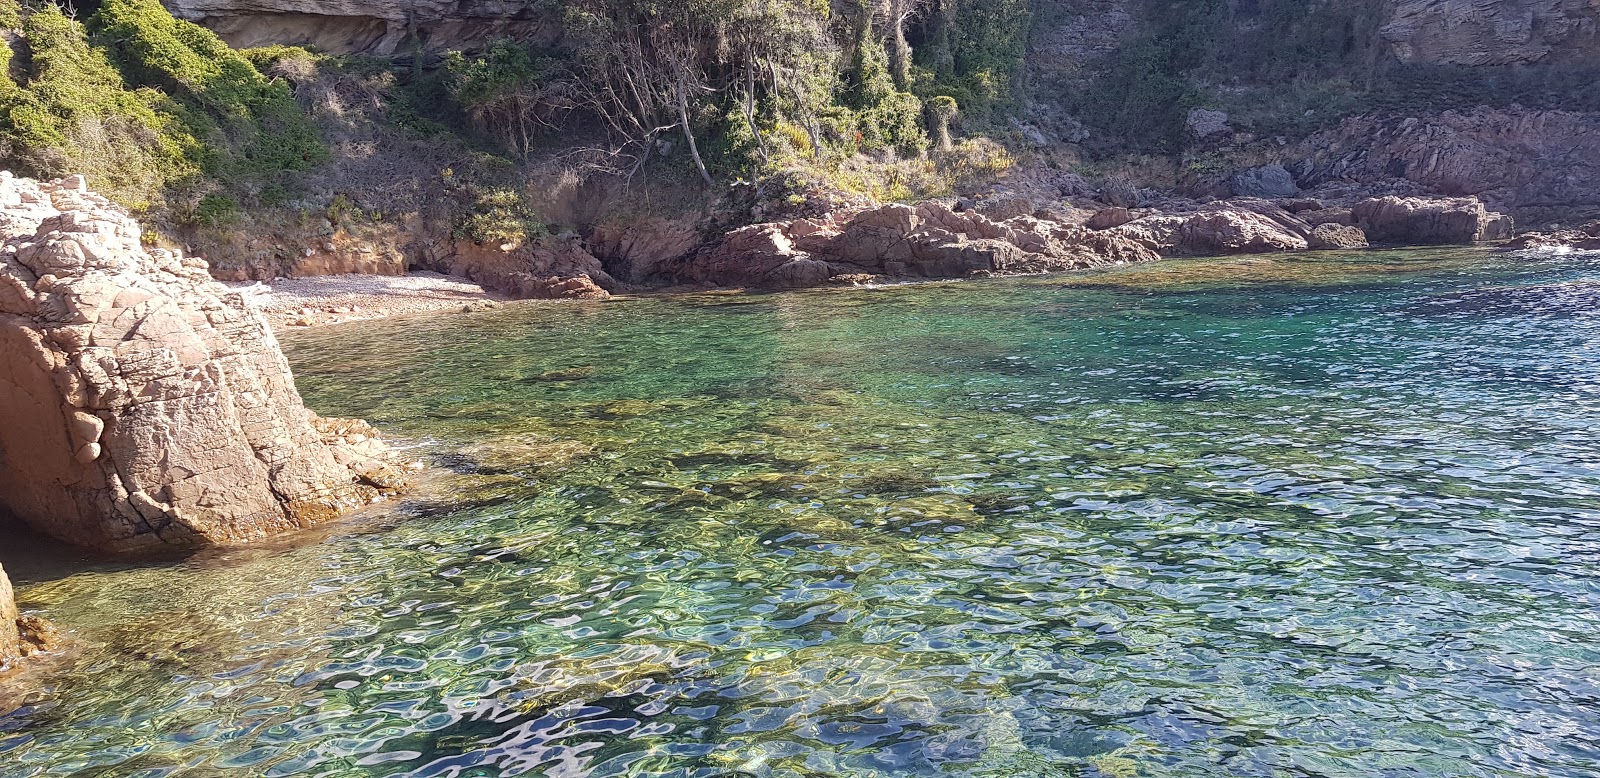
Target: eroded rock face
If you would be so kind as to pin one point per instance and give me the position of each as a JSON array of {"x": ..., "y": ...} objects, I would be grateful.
[
  {"x": 901, "y": 242},
  {"x": 377, "y": 27},
  {"x": 1519, "y": 159},
  {"x": 552, "y": 269},
  {"x": 1419, "y": 221},
  {"x": 145, "y": 404},
  {"x": 1494, "y": 32},
  {"x": 10, "y": 639}
]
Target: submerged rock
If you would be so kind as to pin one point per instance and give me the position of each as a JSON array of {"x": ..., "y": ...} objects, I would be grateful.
[
  {"x": 21, "y": 636},
  {"x": 145, "y": 404}
]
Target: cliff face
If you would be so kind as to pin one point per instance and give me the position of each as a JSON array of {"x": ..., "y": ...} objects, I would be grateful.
[
  {"x": 1438, "y": 32},
  {"x": 1518, "y": 159},
  {"x": 378, "y": 27},
  {"x": 145, "y": 404},
  {"x": 1494, "y": 32}
]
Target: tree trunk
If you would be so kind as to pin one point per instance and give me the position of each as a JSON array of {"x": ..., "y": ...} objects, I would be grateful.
[
  {"x": 899, "y": 47},
  {"x": 750, "y": 107},
  {"x": 688, "y": 129}
]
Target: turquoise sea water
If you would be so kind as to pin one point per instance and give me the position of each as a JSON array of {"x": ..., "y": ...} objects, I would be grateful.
[{"x": 1306, "y": 516}]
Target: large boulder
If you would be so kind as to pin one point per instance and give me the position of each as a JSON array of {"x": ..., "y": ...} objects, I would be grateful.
[
  {"x": 1228, "y": 230},
  {"x": 758, "y": 256},
  {"x": 145, "y": 404},
  {"x": 1428, "y": 221},
  {"x": 1337, "y": 236},
  {"x": 1265, "y": 181}
]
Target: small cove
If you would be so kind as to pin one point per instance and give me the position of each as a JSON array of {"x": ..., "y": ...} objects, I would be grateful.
[{"x": 1313, "y": 515}]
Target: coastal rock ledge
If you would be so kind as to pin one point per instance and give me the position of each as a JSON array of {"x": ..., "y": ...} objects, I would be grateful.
[
  {"x": 20, "y": 636},
  {"x": 144, "y": 404}
]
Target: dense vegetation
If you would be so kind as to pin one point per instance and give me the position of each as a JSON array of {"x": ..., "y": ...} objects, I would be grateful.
[
  {"x": 159, "y": 112},
  {"x": 866, "y": 95},
  {"x": 895, "y": 99}
]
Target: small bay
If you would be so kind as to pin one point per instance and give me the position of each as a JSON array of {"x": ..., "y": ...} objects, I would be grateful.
[{"x": 1306, "y": 515}]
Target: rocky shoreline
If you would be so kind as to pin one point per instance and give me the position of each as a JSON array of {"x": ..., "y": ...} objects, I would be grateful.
[
  {"x": 147, "y": 405},
  {"x": 321, "y": 300},
  {"x": 857, "y": 244},
  {"x": 906, "y": 244}
]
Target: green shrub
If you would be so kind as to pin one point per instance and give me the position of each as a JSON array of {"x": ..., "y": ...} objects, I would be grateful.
[
  {"x": 499, "y": 217},
  {"x": 217, "y": 210},
  {"x": 74, "y": 113},
  {"x": 258, "y": 115}
]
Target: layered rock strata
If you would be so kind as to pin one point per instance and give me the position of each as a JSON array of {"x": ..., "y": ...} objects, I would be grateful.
[
  {"x": 1494, "y": 32},
  {"x": 145, "y": 404}
]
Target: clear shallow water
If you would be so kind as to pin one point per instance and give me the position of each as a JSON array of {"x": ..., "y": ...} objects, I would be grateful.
[{"x": 1328, "y": 516}]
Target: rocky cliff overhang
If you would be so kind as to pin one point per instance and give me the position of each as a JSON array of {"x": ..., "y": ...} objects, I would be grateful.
[{"x": 376, "y": 27}]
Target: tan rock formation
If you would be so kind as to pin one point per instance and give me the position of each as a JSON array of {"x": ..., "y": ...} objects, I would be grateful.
[
  {"x": 10, "y": 639},
  {"x": 379, "y": 27},
  {"x": 1227, "y": 228},
  {"x": 900, "y": 241},
  {"x": 1337, "y": 236},
  {"x": 1421, "y": 221},
  {"x": 1584, "y": 238},
  {"x": 145, "y": 404}
]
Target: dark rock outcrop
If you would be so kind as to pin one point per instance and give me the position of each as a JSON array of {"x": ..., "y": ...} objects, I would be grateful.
[
  {"x": 145, "y": 404},
  {"x": 1422, "y": 221},
  {"x": 1265, "y": 181},
  {"x": 1516, "y": 158}
]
